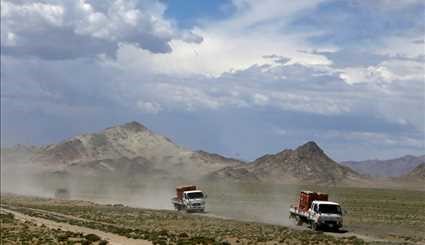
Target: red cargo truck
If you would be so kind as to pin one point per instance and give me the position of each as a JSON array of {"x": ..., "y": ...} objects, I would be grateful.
[
  {"x": 189, "y": 198},
  {"x": 315, "y": 209}
]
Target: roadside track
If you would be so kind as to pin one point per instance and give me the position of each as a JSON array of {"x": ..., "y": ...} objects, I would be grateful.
[{"x": 110, "y": 237}]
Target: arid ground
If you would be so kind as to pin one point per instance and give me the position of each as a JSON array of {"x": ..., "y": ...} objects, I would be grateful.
[{"x": 237, "y": 214}]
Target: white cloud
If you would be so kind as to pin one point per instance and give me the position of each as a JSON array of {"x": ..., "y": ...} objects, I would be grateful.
[
  {"x": 353, "y": 75},
  {"x": 149, "y": 107},
  {"x": 386, "y": 72},
  {"x": 236, "y": 43},
  {"x": 41, "y": 14},
  {"x": 260, "y": 99},
  {"x": 71, "y": 29}
]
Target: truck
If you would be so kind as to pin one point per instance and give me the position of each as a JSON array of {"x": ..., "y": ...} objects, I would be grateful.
[
  {"x": 189, "y": 199},
  {"x": 314, "y": 209}
]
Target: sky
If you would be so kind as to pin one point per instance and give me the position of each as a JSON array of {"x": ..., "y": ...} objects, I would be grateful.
[{"x": 240, "y": 78}]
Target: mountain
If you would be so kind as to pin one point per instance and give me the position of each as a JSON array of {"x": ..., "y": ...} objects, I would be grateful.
[
  {"x": 386, "y": 168},
  {"x": 129, "y": 148},
  {"x": 308, "y": 164},
  {"x": 417, "y": 173}
]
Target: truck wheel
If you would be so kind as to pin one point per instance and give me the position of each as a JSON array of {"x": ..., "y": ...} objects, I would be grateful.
[{"x": 298, "y": 221}]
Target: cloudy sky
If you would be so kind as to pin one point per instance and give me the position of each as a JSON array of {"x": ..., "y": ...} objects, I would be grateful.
[{"x": 237, "y": 77}]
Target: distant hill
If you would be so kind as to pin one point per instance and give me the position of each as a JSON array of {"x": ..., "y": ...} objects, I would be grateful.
[
  {"x": 308, "y": 164},
  {"x": 130, "y": 148},
  {"x": 386, "y": 168},
  {"x": 417, "y": 173}
]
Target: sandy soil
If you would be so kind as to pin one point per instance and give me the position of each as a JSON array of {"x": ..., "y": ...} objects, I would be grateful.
[{"x": 110, "y": 237}]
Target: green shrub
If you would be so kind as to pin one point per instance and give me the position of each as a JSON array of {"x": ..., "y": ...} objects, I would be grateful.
[{"x": 92, "y": 237}]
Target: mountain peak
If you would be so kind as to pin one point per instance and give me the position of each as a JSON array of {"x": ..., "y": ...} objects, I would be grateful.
[
  {"x": 133, "y": 126},
  {"x": 310, "y": 147},
  {"x": 308, "y": 164}
]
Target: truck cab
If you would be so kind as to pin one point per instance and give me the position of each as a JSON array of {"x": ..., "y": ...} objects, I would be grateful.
[
  {"x": 194, "y": 200},
  {"x": 325, "y": 214}
]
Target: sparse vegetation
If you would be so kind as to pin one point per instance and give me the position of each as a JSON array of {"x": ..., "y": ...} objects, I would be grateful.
[
  {"x": 382, "y": 213},
  {"x": 14, "y": 231},
  {"x": 166, "y": 227},
  {"x": 395, "y": 215}
]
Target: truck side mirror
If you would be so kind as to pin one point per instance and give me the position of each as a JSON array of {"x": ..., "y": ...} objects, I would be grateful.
[
  {"x": 206, "y": 196},
  {"x": 344, "y": 212}
]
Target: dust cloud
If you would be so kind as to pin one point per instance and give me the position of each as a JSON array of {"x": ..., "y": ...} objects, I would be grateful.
[
  {"x": 266, "y": 203},
  {"x": 21, "y": 179},
  {"x": 242, "y": 201}
]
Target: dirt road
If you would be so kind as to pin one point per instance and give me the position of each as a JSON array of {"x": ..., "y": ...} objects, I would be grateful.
[
  {"x": 116, "y": 239},
  {"x": 110, "y": 237},
  {"x": 340, "y": 233}
]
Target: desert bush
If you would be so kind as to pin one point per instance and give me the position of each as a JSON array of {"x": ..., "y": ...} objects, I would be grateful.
[{"x": 92, "y": 237}]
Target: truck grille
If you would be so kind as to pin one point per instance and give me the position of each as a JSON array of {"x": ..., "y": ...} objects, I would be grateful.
[{"x": 196, "y": 204}]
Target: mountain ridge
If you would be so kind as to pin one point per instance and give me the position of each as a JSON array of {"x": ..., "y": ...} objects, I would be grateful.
[
  {"x": 146, "y": 153},
  {"x": 418, "y": 173},
  {"x": 129, "y": 142},
  {"x": 307, "y": 164},
  {"x": 394, "y": 167}
]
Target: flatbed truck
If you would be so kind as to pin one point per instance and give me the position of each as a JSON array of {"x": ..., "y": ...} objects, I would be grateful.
[
  {"x": 189, "y": 198},
  {"x": 314, "y": 209}
]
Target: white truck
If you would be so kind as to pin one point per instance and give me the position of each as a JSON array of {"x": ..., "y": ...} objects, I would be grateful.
[
  {"x": 315, "y": 209},
  {"x": 189, "y": 199}
]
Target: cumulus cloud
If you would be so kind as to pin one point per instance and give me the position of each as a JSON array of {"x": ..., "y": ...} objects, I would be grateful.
[
  {"x": 260, "y": 99},
  {"x": 368, "y": 74},
  {"x": 253, "y": 32},
  {"x": 149, "y": 107},
  {"x": 73, "y": 29}
]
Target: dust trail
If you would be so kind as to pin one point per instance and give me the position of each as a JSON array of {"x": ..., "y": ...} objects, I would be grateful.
[
  {"x": 265, "y": 203},
  {"x": 21, "y": 179}
]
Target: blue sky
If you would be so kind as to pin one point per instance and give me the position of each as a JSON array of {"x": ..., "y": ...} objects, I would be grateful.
[
  {"x": 237, "y": 77},
  {"x": 189, "y": 13}
]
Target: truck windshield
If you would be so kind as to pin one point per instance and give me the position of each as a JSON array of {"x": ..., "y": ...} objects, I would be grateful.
[
  {"x": 329, "y": 209},
  {"x": 195, "y": 195}
]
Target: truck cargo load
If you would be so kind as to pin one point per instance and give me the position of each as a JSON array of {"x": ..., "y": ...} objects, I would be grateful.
[
  {"x": 307, "y": 197},
  {"x": 181, "y": 189},
  {"x": 322, "y": 196}
]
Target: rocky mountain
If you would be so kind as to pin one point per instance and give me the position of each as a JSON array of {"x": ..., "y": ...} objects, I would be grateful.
[
  {"x": 417, "y": 173},
  {"x": 131, "y": 148},
  {"x": 386, "y": 168},
  {"x": 308, "y": 164}
]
